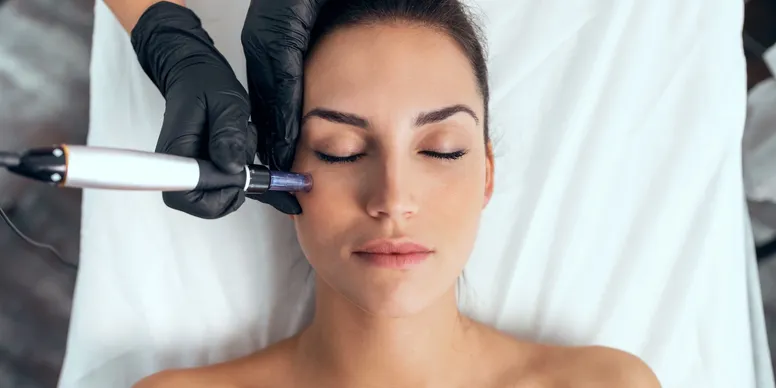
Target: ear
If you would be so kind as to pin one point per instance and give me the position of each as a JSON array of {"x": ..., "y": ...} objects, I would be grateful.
[{"x": 489, "y": 170}]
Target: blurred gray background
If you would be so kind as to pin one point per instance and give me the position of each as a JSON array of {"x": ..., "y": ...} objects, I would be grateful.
[{"x": 44, "y": 99}]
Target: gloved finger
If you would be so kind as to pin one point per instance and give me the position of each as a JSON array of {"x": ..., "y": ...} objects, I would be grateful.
[
  {"x": 269, "y": 83},
  {"x": 253, "y": 142},
  {"x": 206, "y": 204},
  {"x": 183, "y": 128},
  {"x": 281, "y": 201},
  {"x": 231, "y": 144},
  {"x": 275, "y": 84},
  {"x": 286, "y": 112},
  {"x": 275, "y": 39}
]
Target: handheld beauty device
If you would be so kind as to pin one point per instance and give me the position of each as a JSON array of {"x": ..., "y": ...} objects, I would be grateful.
[{"x": 120, "y": 169}]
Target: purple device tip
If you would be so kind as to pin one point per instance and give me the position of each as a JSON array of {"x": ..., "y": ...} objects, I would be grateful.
[{"x": 289, "y": 181}]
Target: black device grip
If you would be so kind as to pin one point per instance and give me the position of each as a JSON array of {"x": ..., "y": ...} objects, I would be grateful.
[
  {"x": 261, "y": 179},
  {"x": 211, "y": 178}
]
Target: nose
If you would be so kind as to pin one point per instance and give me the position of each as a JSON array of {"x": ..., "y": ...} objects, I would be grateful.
[{"x": 391, "y": 193}]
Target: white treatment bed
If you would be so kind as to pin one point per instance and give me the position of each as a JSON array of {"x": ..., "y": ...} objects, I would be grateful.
[{"x": 619, "y": 215}]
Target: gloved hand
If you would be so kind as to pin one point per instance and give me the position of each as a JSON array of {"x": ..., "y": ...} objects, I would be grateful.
[
  {"x": 275, "y": 38},
  {"x": 207, "y": 109}
]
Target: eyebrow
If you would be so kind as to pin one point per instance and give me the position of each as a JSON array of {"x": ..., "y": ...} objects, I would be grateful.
[
  {"x": 424, "y": 118},
  {"x": 337, "y": 117},
  {"x": 443, "y": 114}
]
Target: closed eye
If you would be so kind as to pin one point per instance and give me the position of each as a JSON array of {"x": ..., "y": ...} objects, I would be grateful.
[
  {"x": 337, "y": 159},
  {"x": 353, "y": 158},
  {"x": 445, "y": 155}
]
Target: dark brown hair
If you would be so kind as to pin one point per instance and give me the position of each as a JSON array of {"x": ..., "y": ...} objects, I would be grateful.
[{"x": 449, "y": 16}]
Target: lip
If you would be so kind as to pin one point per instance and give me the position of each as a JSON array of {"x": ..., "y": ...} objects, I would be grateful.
[{"x": 399, "y": 254}]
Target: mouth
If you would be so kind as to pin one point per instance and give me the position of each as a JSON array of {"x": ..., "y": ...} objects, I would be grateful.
[{"x": 397, "y": 254}]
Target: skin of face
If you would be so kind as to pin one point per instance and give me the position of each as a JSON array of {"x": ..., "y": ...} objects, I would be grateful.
[{"x": 365, "y": 89}]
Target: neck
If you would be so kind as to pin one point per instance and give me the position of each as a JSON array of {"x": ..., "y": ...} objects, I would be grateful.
[{"x": 353, "y": 347}]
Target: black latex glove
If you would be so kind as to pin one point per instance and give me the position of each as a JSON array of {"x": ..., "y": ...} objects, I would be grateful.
[
  {"x": 275, "y": 38},
  {"x": 207, "y": 109}
]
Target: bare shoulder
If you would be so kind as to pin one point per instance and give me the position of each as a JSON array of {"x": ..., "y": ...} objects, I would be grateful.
[
  {"x": 253, "y": 371},
  {"x": 599, "y": 366},
  {"x": 540, "y": 365},
  {"x": 192, "y": 378}
]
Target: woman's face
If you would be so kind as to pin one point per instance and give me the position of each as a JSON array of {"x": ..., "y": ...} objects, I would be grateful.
[{"x": 393, "y": 136}]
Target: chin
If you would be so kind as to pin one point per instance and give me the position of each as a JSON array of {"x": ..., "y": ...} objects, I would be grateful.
[{"x": 394, "y": 304}]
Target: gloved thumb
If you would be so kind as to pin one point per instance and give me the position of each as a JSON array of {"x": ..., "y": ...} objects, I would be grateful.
[
  {"x": 232, "y": 143},
  {"x": 282, "y": 201}
]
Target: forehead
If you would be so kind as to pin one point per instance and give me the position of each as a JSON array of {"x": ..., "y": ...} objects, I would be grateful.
[{"x": 389, "y": 67}]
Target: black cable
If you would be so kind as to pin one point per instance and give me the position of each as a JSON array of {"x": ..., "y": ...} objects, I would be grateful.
[
  {"x": 36, "y": 244},
  {"x": 9, "y": 159}
]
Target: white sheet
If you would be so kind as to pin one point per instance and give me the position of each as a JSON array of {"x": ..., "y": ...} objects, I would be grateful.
[{"x": 618, "y": 218}]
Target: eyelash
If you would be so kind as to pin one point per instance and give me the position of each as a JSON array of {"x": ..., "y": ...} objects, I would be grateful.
[
  {"x": 337, "y": 159},
  {"x": 352, "y": 158},
  {"x": 442, "y": 155}
]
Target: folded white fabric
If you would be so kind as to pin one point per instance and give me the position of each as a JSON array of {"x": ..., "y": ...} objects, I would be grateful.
[
  {"x": 770, "y": 58},
  {"x": 759, "y": 142},
  {"x": 759, "y": 152}
]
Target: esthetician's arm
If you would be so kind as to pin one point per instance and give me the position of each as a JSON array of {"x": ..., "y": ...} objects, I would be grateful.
[
  {"x": 129, "y": 11},
  {"x": 207, "y": 109}
]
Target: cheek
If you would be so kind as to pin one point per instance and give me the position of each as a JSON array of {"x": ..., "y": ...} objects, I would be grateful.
[
  {"x": 327, "y": 213},
  {"x": 463, "y": 185},
  {"x": 453, "y": 201}
]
